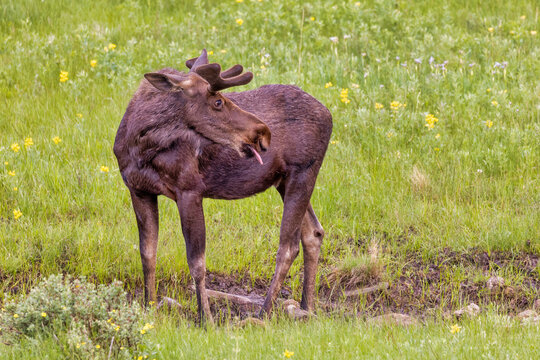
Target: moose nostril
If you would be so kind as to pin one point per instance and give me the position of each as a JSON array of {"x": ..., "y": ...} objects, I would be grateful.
[{"x": 261, "y": 145}]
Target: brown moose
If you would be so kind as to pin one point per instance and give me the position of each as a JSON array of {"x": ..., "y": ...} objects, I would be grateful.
[{"x": 182, "y": 138}]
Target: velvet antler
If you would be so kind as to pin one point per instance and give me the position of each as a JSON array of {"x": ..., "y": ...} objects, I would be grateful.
[{"x": 212, "y": 73}]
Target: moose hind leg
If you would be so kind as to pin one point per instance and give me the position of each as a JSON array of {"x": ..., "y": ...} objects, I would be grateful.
[
  {"x": 146, "y": 212},
  {"x": 296, "y": 193},
  {"x": 312, "y": 237}
]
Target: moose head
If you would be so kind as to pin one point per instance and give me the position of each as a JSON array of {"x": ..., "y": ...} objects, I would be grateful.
[{"x": 209, "y": 112}]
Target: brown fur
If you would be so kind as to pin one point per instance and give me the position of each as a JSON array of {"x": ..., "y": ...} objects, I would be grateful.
[{"x": 172, "y": 141}]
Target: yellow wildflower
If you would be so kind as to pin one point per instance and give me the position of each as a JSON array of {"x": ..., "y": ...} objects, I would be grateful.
[
  {"x": 104, "y": 169},
  {"x": 358, "y": 3},
  {"x": 28, "y": 142},
  {"x": 223, "y": 51},
  {"x": 239, "y": 1},
  {"x": 117, "y": 328},
  {"x": 328, "y": 85},
  {"x": 437, "y": 136},
  {"x": 288, "y": 354},
  {"x": 112, "y": 46},
  {"x": 489, "y": 124},
  {"x": 379, "y": 106},
  {"x": 15, "y": 188},
  {"x": 15, "y": 316},
  {"x": 239, "y": 22},
  {"x": 44, "y": 314},
  {"x": 6, "y": 163},
  {"x": 522, "y": 17},
  {"x": 143, "y": 331},
  {"x": 533, "y": 32},
  {"x": 93, "y": 63},
  {"x": 495, "y": 103},
  {"x": 396, "y": 105},
  {"x": 430, "y": 121},
  {"x": 79, "y": 115},
  {"x": 78, "y": 346},
  {"x": 211, "y": 52},
  {"x": 11, "y": 173},
  {"x": 16, "y": 214},
  {"x": 98, "y": 346},
  {"x": 490, "y": 29},
  {"x": 455, "y": 328},
  {"x": 344, "y": 95},
  {"x": 64, "y": 76},
  {"x": 437, "y": 149},
  {"x": 56, "y": 140},
  {"x": 15, "y": 147},
  {"x": 389, "y": 134},
  {"x": 312, "y": 18}
]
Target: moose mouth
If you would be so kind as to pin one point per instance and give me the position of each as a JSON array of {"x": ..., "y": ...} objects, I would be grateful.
[{"x": 249, "y": 150}]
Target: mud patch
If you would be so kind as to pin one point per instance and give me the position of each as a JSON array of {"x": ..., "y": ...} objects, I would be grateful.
[{"x": 426, "y": 287}]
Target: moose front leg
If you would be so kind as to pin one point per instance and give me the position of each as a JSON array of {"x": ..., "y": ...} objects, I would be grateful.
[
  {"x": 192, "y": 218},
  {"x": 146, "y": 212}
]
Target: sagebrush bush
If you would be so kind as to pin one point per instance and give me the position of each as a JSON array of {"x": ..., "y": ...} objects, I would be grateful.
[{"x": 86, "y": 317}]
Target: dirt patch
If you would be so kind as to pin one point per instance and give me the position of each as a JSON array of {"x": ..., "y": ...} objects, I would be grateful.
[{"x": 425, "y": 287}]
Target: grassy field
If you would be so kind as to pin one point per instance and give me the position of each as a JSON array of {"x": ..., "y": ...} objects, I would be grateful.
[{"x": 434, "y": 160}]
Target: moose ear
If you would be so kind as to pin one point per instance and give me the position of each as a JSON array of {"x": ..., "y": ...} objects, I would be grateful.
[{"x": 167, "y": 82}]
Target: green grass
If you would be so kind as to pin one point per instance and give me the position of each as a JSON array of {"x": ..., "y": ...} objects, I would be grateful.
[
  {"x": 491, "y": 337},
  {"x": 473, "y": 186}
]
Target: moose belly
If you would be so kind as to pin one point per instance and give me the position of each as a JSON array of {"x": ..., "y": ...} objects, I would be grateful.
[{"x": 240, "y": 177}]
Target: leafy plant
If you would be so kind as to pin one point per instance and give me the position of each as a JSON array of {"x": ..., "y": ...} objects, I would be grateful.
[{"x": 89, "y": 320}]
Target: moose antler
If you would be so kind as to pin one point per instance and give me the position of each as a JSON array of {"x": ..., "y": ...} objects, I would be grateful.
[{"x": 212, "y": 73}]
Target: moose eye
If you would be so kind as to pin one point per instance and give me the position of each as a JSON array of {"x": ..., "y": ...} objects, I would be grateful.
[{"x": 218, "y": 104}]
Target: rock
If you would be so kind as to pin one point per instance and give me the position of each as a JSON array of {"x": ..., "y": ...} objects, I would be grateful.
[
  {"x": 527, "y": 314},
  {"x": 529, "y": 317},
  {"x": 367, "y": 290},
  {"x": 167, "y": 301},
  {"x": 292, "y": 308},
  {"x": 537, "y": 304},
  {"x": 471, "y": 310},
  {"x": 251, "y": 321},
  {"x": 495, "y": 284},
  {"x": 393, "y": 319},
  {"x": 509, "y": 292}
]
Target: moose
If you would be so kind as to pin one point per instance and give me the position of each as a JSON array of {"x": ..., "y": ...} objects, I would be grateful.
[{"x": 183, "y": 138}]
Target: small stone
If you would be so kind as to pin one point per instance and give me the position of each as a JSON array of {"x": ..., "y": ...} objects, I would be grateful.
[
  {"x": 289, "y": 302},
  {"x": 529, "y": 317},
  {"x": 494, "y": 283},
  {"x": 394, "y": 319},
  {"x": 292, "y": 308},
  {"x": 471, "y": 310},
  {"x": 509, "y": 292},
  {"x": 527, "y": 314},
  {"x": 251, "y": 321}
]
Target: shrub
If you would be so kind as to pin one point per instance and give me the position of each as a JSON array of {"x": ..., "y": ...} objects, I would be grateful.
[{"x": 83, "y": 317}]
